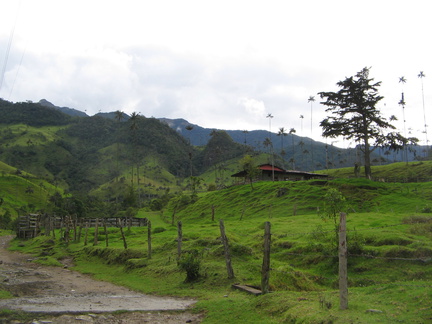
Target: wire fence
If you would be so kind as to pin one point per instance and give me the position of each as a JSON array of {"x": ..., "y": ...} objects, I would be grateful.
[{"x": 423, "y": 260}]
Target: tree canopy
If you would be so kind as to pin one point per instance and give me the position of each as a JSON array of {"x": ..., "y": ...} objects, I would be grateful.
[{"x": 354, "y": 115}]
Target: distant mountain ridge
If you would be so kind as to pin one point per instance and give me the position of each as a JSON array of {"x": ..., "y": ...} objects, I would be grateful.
[
  {"x": 302, "y": 148},
  {"x": 68, "y": 111}
]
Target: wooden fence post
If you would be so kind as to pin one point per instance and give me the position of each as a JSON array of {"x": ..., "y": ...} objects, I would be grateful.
[
  {"x": 86, "y": 233},
  {"x": 80, "y": 231},
  {"x": 265, "y": 273},
  {"x": 179, "y": 239},
  {"x": 149, "y": 245},
  {"x": 75, "y": 225},
  {"x": 106, "y": 232},
  {"x": 52, "y": 226},
  {"x": 343, "y": 271},
  {"x": 122, "y": 234},
  {"x": 226, "y": 250},
  {"x": 67, "y": 230},
  {"x": 47, "y": 225},
  {"x": 96, "y": 232}
]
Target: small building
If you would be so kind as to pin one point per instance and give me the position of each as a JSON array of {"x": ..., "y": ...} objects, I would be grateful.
[{"x": 268, "y": 171}]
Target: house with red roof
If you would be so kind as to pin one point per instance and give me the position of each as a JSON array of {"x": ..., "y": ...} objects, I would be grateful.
[{"x": 271, "y": 172}]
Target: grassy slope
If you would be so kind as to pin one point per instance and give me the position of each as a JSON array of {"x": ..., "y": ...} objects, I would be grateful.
[
  {"x": 400, "y": 171},
  {"x": 24, "y": 135},
  {"x": 14, "y": 189},
  {"x": 304, "y": 270}
]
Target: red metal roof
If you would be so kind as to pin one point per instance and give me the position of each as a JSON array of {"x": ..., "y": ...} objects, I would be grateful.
[{"x": 268, "y": 167}]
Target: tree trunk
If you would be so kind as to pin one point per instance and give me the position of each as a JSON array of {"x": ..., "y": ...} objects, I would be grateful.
[{"x": 367, "y": 162}]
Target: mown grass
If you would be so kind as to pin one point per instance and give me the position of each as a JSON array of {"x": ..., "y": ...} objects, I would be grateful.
[{"x": 389, "y": 242}]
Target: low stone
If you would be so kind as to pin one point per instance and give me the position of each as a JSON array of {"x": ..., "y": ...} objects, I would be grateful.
[{"x": 374, "y": 311}]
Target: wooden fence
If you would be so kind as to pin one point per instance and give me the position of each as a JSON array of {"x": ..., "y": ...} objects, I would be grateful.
[{"x": 32, "y": 225}]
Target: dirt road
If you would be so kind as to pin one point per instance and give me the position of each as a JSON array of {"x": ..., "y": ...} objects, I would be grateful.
[{"x": 63, "y": 295}]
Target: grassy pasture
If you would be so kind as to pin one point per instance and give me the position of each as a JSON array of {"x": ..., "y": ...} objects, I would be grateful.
[{"x": 389, "y": 241}]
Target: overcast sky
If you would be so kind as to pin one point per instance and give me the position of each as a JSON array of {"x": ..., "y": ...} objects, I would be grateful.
[{"x": 218, "y": 64}]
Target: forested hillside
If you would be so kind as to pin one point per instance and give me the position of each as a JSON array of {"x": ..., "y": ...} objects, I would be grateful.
[{"x": 80, "y": 154}]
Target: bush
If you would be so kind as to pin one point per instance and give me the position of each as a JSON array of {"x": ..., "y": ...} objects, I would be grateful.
[
  {"x": 158, "y": 230},
  {"x": 211, "y": 187},
  {"x": 190, "y": 263},
  {"x": 426, "y": 209}
]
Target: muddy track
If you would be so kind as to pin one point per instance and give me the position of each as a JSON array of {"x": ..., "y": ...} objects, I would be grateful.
[{"x": 65, "y": 296}]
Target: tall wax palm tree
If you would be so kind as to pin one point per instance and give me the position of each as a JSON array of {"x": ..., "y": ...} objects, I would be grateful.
[
  {"x": 245, "y": 136},
  {"x": 282, "y": 133},
  {"x": 119, "y": 116},
  {"x": 421, "y": 76},
  {"x": 402, "y": 103},
  {"x": 270, "y": 116},
  {"x": 301, "y": 144},
  {"x": 269, "y": 145},
  {"x": 245, "y": 132},
  {"x": 189, "y": 128},
  {"x": 292, "y": 132},
  {"x": 133, "y": 127},
  {"x": 301, "y": 124},
  {"x": 311, "y": 99}
]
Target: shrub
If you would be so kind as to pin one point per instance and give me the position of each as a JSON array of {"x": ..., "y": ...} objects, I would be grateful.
[
  {"x": 211, "y": 187},
  {"x": 158, "y": 230},
  {"x": 426, "y": 209},
  {"x": 190, "y": 263}
]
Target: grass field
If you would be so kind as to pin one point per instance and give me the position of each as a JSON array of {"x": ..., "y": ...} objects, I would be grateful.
[{"x": 389, "y": 242}]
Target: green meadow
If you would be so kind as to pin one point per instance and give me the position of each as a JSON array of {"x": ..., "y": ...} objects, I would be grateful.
[{"x": 389, "y": 245}]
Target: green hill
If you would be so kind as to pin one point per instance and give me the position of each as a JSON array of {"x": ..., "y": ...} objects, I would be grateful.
[
  {"x": 22, "y": 192},
  {"x": 389, "y": 252}
]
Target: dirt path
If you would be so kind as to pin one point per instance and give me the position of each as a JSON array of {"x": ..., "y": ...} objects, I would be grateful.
[{"x": 60, "y": 291}]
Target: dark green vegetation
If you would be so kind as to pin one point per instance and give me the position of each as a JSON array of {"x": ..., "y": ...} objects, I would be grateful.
[{"x": 109, "y": 164}]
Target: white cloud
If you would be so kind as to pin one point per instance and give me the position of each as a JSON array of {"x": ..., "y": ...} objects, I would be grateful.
[
  {"x": 254, "y": 107},
  {"x": 222, "y": 64}
]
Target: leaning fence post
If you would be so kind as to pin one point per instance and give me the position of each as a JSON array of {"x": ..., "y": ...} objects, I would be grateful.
[
  {"x": 149, "y": 253},
  {"x": 265, "y": 273},
  {"x": 226, "y": 250},
  {"x": 343, "y": 271},
  {"x": 122, "y": 233}
]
